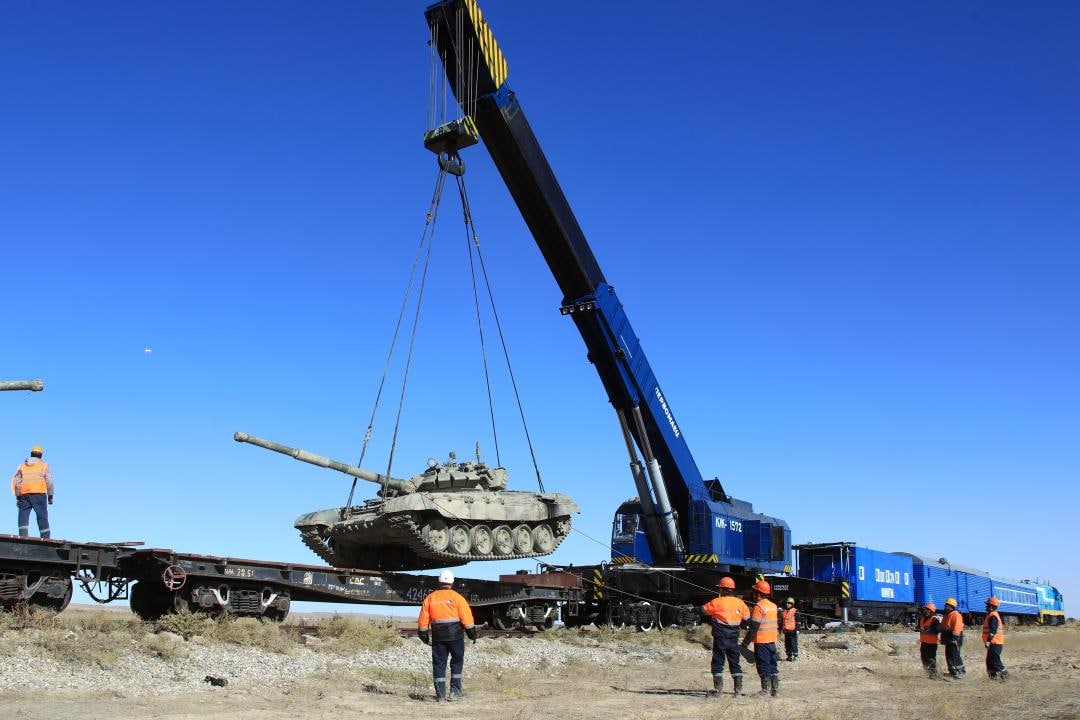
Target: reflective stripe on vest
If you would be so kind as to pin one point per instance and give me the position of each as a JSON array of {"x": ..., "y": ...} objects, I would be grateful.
[
  {"x": 444, "y": 606},
  {"x": 765, "y": 614},
  {"x": 789, "y": 619},
  {"x": 999, "y": 636},
  {"x": 926, "y": 634},
  {"x": 727, "y": 610},
  {"x": 30, "y": 479}
]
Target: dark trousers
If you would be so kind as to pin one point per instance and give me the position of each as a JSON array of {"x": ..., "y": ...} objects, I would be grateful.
[
  {"x": 725, "y": 649},
  {"x": 993, "y": 660},
  {"x": 439, "y": 651},
  {"x": 39, "y": 503},
  {"x": 765, "y": 657},
  {"x": 928, "y": 654},
  {"x": 791, "y": 644},
  {"x": 953, "y": 659}
]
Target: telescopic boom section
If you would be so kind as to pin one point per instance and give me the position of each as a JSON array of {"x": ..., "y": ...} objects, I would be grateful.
[
  {"x": 322, "y": 461},
  {"x": 472, "y": 58}
]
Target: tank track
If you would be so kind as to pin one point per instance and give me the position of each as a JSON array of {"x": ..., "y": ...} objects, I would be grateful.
[{"x": 409, "y": 536}]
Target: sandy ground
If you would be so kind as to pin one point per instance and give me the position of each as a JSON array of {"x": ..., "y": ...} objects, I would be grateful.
[{"x": 878, "y": 678}]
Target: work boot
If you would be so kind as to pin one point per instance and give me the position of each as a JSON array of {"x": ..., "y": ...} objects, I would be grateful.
[
  {"x": 765, "y": 686},
  {"x": 738, "y": 684},
  {"x": 1002, "y": 675},
  {"x": 774, "y": 685},
  {"x": 718, "y": 684},
  {"x": 457, "y": 694}
]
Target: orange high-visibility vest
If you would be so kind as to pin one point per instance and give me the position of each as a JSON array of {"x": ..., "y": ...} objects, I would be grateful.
[
  {"x": 998, "y": 638},
  {"x": 928, "y": 629},
  {"x": 444, "y": 606},
  {"x": 30, "y": 479},
  {"x": 789, "y": 619},
  {"x": 727, "y": 610},
  {"x": 764, "y": 613},
  {"x": 954, "y": 622}
]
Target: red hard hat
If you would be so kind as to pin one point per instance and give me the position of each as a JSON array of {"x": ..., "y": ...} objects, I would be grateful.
[
  {"x": 763, "y": 587},
  {"x": 993, "y": 602},
  {"x": 727, "y": 582}
]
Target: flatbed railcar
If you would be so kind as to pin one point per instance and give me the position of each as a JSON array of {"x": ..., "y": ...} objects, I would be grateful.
[{"x": 158, "y": 581}]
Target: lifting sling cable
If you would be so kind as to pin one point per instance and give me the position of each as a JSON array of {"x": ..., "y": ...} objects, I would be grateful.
[
  {"x": 429, "y": 228},
  {"x": 416, "y": 321},
  {"x": 502, "y": 339}
]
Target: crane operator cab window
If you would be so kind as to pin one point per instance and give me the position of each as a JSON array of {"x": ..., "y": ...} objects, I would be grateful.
[{"x": 626, "y": 524}]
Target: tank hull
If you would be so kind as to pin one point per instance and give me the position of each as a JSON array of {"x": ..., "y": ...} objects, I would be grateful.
[{"x": 434, "y": 530}]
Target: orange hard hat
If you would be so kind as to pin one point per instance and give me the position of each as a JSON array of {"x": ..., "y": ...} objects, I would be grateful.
[
  {"x": 931, "y": 607},
  {"x": 763, "y": 587},
  {"x": 36, "y": 450},
  {"x": 727, "y": 582},
  {"x": 993, "y": 602}
]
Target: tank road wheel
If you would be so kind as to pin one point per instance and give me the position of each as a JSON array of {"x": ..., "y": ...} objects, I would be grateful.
[
  {"x": 482, "y": 541},
  {"x": 543, "y": 538},
  {"x": 459, "y": 539},
  {"x": 437, "y": 535},
  {"x": 503, "y": 540},
  {"x": 523, "y": 540}
]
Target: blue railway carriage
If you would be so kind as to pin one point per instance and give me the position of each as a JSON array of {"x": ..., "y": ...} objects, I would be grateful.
[
  {"x": 874, "y": 586},
  {"x": 1051, "y": 604},
  {"x": 938, "y": 579}
]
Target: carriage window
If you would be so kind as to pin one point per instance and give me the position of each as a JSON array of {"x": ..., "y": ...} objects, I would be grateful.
[{"x": 625, "y": 527}]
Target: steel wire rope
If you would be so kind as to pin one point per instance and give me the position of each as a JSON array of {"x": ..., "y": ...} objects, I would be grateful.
[
  {"x": 416, "y": 321},
  {"x": 432, "y": 210},
  {"x": 480, "y": 327},
  {"x": 498, "y": 324}
]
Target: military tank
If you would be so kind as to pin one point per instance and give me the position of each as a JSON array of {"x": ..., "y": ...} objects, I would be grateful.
[{"x": 450, "y": 514}]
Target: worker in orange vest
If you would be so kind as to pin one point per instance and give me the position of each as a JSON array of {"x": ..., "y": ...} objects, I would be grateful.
[
  {"x": 763, "y": 631},
  {"x": 791, "y": 630},
  {"x": 445, "y": 619},
  {"x": 952, "y": 637},
  {"x": 32, "y": 485},
  {"x": 929, "y": 629},
  {"x": 993, "y": 635},
  {"x": 726, "y": 613}
]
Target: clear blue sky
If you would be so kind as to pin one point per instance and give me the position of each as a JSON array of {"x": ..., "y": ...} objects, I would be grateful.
[{"x": 847, "y": 234}]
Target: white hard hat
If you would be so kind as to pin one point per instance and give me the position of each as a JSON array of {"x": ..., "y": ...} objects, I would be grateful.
[{"x": 446, "y": 577}]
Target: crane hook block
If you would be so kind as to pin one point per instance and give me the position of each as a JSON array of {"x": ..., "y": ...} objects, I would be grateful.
[
  {"x": 452, "y": 163},
  {"x": 452, "y": 136}
]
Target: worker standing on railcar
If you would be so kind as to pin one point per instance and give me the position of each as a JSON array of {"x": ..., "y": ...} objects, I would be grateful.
[
  {"x": 993, "y": 635},
  {"x": 726, "y": 613},
  {"x": 929, "y": 630},
  {"x": 32, "y": 485},
  {"x": 448, "y": 617},
  {"x": 763, "y": 631},
  {"x": 952, "y": 637},
  {"x": 791, "y": 630}
]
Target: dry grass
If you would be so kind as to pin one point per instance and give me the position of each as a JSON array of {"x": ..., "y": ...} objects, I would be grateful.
[{"x": 345, "y": 635}]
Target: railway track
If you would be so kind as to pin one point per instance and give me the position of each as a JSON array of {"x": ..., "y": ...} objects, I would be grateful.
[{"x": 312, "y": 629}]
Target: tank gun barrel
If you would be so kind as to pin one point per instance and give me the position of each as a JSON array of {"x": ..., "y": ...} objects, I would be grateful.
[
  {"x": 322, "y": 461},
  {"x": 32, "y": 385}
]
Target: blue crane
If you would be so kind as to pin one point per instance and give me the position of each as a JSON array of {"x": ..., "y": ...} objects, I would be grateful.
[{"x": 679, "y": 517}]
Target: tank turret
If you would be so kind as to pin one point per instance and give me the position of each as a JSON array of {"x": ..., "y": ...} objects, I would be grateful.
[
  {"x": 32, "y": 385},
  {"x": 450, "y": 514}
]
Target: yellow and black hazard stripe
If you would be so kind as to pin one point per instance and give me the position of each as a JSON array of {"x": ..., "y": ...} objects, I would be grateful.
[
  {"x": 597, "y": 584},
  {"x": 845, "y": 592},
  {"x": 701, "y": 559},
  {"x": 623, "y": 560},
  {"x": 493, "y": 57}
]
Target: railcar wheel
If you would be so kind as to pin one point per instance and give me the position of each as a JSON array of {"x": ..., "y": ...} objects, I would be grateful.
[
  {"x": 437, "y": 535},
  {"x": 503, "y": 540},
  {"x": 543, "y": 538},
  {"x": 459, "y": 539},
  {"x": 482, "y": 542},
  {"x": 523, "y": 539},
  {"x": 613, "y": 617}
]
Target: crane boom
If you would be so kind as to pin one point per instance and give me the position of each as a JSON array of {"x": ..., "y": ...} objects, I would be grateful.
[{"x": 671, "y": 487}]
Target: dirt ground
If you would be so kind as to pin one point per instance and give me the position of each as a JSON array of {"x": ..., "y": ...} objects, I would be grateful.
[{"x": 879, "y": 677}]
